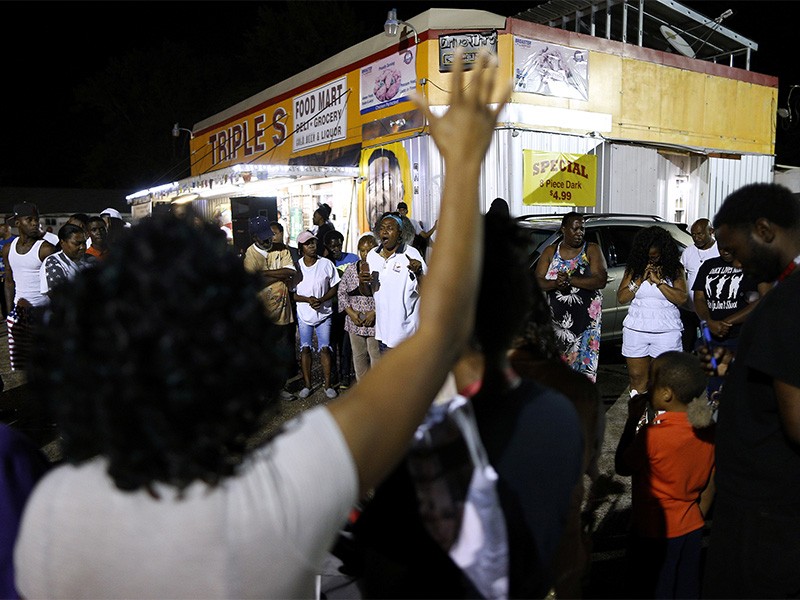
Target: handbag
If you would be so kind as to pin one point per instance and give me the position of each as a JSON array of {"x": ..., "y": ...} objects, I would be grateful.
[{"x": 456, "y": 489}]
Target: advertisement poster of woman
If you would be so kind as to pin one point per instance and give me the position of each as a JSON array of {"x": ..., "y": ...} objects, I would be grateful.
[{"x": 388, "y": 182}]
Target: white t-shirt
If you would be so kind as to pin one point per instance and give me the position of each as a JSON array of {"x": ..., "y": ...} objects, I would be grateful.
[
  {"x": 397, "y": 294},
  {"x": 691, "y": 259},
  {"x": 316, "y": 281},
  {"x": 264, "y": 533}
]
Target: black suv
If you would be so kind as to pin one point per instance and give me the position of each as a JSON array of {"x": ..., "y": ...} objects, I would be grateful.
[{"x": 614, "y": 234}]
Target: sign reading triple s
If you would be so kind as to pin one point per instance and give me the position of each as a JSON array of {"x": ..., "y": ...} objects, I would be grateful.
[{"x": 558, "y": 178}]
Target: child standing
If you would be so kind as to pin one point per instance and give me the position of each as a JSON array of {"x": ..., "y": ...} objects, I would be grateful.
[{"x": 671, "y": 460}]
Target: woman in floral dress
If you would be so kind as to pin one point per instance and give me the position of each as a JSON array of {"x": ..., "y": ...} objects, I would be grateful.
[
  {"x": 573, "y": 274},
  {"x": 355, "y": 299}
]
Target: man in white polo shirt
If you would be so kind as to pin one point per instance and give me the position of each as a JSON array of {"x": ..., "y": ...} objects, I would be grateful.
[
  {"x": 704, "y": 248},
  {"x": 397, "y": 269}
]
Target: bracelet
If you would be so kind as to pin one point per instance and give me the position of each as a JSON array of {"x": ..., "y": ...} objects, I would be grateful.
[
  {"x": 633, "y": 286},
  {"x": 660, "y": 282}
]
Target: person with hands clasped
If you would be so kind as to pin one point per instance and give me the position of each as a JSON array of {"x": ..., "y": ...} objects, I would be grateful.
[
  {"x": 655, "y": 285},
  {"x": 573, "y": 274},
  {"x": 317, "y": 285},
  {"x": 355, "y": 299}
]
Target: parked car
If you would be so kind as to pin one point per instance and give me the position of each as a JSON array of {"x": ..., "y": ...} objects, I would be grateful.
[{"x": 614, "y": 234}]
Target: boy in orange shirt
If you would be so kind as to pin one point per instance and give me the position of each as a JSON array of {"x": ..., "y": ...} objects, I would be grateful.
[{"x": 671, "y": 461}]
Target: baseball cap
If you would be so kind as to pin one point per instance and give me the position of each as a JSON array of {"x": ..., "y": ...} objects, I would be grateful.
[
  {"x": 259, "y": 227},
  {"x": 305, "y": 236},
  {"x": 111, "y": 212},
  {"x": 25, "y": 209}
]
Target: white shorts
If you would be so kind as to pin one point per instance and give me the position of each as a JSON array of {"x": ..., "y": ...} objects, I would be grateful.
[{"x": 638, "y": 344}]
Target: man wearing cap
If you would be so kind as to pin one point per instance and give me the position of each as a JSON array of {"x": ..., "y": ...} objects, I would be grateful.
[
  {"x": 23, "y": 259},
  {"x": 275, "y": 267},
  {"x": 112, "y": 213},
  {"x": 421, "y": 237}
]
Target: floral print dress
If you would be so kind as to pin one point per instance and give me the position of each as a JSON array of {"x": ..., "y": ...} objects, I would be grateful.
[{"x": 576, "y": 315}]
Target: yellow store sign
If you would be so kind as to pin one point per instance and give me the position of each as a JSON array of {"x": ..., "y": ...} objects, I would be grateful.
[{"x": 556, "y": 178}]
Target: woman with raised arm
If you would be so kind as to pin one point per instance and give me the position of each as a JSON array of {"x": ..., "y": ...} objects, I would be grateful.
[{"x": 159, "y": 366}]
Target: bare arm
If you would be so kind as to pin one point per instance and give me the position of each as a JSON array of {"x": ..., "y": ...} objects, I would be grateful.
[
  {"x": 675, "y": 293},
  {"x": 430, "y": 232},
  {"x": 377, "y": 418},
  {"x": 8, "y": 287},
  {"x": 599, "y": 271},
  {"x": 624, "y": 293},
  {"x": 46, "y": 249},
  {"x": 789, "y": 407},
  {"x": 707, "y": 495},
  {"x": 272, "y": 275},
  {"x": 542, "y": 266}
]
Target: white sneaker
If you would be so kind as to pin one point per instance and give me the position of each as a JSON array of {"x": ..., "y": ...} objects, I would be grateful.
[
  {"x": 330, "y": 393},
  {"x": 304, "y": 393}
]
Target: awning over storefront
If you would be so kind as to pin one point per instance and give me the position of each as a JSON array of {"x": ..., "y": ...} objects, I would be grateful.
[{"x": 240, "y": 180}]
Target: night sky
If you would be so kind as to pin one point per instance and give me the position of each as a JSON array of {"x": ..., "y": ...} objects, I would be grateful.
[{"x": 48, "y": 47}]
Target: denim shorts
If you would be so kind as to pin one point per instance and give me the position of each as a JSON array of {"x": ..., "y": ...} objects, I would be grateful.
[{"x": 323, "y": 331}]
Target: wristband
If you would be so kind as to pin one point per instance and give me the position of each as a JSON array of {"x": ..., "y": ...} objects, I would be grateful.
[{"x": 632, "y": 286}]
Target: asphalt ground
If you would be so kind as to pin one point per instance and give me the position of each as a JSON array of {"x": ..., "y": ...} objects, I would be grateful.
[{"x": 608, "y": 509}]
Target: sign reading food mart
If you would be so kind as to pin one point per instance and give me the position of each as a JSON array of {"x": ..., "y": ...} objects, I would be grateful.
[
  {"x": 320, "y": 115},
  {"x": 558, "y": 178}
]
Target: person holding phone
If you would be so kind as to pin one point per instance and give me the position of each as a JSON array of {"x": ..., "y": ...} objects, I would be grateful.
[
  {"x": 753, "y": 550},
  {"x": 356, "y": 301}
]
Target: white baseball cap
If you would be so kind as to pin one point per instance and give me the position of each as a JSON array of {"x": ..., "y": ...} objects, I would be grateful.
[{"x": 111, "y": 212}]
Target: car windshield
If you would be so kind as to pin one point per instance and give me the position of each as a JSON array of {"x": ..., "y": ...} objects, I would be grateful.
[{"x": 537, "y": 238}]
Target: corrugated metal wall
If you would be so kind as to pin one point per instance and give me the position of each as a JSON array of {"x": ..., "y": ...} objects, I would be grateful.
[
  {"x": 631, "y": 179},
  {"x": 727, "y": 175}
]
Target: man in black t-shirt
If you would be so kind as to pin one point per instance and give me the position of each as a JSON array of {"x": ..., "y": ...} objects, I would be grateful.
[
  {"x": 753, "y": 551},
  {"x": 723, "y": 297}
]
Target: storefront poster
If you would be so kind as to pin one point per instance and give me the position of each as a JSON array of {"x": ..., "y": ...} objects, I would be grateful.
[
  {"x": 320, "y": 116},
  {"x": 389, "y": 80},
  {"x": 386, "y": 182},
  {"x": 551, "y": 70},
  {"x": 560, "y": 179}
]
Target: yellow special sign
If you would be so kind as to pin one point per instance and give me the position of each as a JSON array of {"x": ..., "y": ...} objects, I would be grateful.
[{"x": 559, "y": 178}]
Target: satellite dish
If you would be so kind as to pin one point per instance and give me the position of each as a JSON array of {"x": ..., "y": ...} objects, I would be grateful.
[{"x": 676, "y": 41}]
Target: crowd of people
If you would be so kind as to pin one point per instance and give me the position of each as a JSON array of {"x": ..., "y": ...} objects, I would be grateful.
[{"x": 159, "y": 353}]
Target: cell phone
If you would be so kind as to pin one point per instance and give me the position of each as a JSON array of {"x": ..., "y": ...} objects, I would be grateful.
[{"x": 706, "y": 335}]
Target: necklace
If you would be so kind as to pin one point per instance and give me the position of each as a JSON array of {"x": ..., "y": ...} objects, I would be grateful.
[{"x": 789, "y": 268}]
